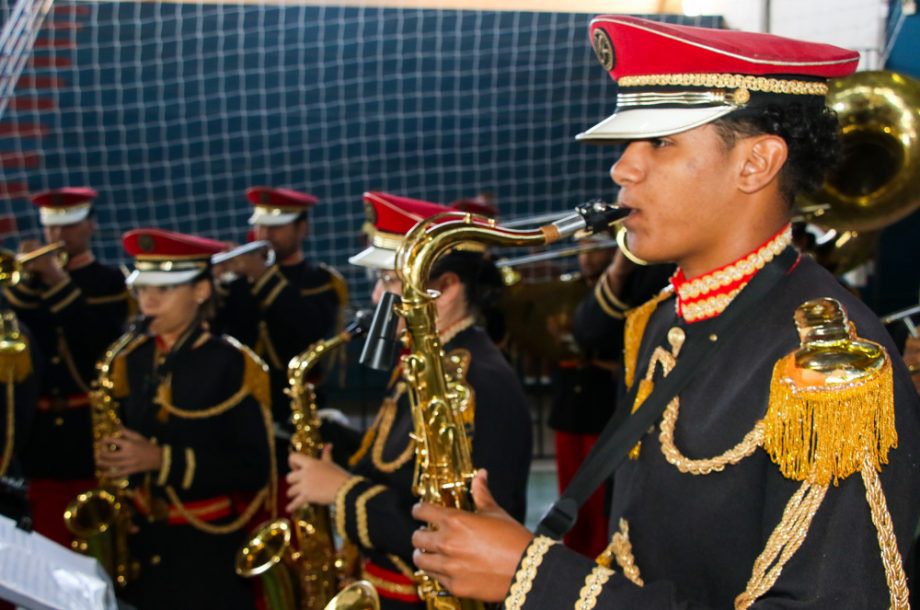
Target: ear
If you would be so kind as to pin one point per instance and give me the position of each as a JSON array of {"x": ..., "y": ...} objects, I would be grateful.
[
  {"x": 764, "y": 157},
  {"x": 202, "y": 291},
  {"x": 449, "y": 285},
  {"x": 302, "y": 227}
]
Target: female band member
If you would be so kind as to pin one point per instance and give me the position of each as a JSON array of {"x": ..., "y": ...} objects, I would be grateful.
[
  {"x": 374, "y": 498},
  {"x": 196, "y": 438}
]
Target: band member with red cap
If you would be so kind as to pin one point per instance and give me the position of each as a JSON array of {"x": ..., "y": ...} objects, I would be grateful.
[
  {"x": 281, "y": 309},
  {"x": 373, "y": 498},
  {"x": 197, "y": 441},
  {"x": 75, "y": 310},
  {"x": 782, "y": 468}
]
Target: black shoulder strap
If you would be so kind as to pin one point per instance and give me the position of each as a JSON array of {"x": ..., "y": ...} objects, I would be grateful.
[{"x": 616, "y": 440}]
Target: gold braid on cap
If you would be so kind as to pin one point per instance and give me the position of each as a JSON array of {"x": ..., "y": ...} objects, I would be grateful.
[{"x": 747, "y": 82}]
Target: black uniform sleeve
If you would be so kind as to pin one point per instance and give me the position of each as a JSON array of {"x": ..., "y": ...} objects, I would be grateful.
[
  {"x": 241, "y": 463},
  {"x": 374, "y": 516}
]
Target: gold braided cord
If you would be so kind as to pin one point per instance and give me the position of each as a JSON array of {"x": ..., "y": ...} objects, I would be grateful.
[
  {"x": 309, "y": 292},
  {"x": 10, "y": 423},
  {"x": 265, "y": 345},
  {"x": 401, "y": 565},
  {"x": 210, "y": 528},
  {"x": 388, "y": 416},
  {"x": 364, "y": 535},
  {"x": 727, "y": 81},
  {"x": 672, "y": 454},
  {"x": 785, "y": 540},
  {"x": 390, "y": 587},
  {"x": 67, "y": 357},
  {"x": 164, "y": 398},
  {"x": 594, "y": 584},
  {"x": 888, "y": 543},
  {"x": 622, "y": 551},
  {"x": 340, "y": 510},
  {"x": 523, "y": 579},
  {"x": 367, "y": 440},
  {"x": 599, "y": 296},
  {"x": 636, "y": 321}
]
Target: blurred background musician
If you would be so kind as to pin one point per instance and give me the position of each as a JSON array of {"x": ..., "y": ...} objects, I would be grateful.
[
  {"x": 282, "y": 308},
  {"x": 373, "y": 498},
  {"x": 75, "y": 306}
]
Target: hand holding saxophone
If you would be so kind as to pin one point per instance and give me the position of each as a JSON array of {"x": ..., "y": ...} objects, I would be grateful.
[
  {"x": 313, "y": 481},
  {"x": 128, "y": 453},
  {"x": 470, "y": 554}
]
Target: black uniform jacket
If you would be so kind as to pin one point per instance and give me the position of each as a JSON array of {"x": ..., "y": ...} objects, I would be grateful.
[
  {"x": 73, "y": 323},
  {"x": 220, "y": 445},
  {"x": 279, "y": 316},
  {"x": 695, "y": 537},
  {"x": 377, "y": 510}
]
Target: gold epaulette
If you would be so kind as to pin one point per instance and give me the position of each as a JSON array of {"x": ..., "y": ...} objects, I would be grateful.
[
  {"x": 15, "y": 355},
  {"x": 255, "y": 373},
  {"x": 636, "y": 321},
  {"x": 120, "y": 385},
  {"x": 338, "y": 284},
  {"x": 831, "y": 406}
]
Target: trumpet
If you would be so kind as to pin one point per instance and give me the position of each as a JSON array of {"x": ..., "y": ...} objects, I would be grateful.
[
  {"x": 253, "y": 246},
  {"x": 12, "y": 266}
]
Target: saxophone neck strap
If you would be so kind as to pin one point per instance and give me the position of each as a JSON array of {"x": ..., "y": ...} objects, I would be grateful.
[{"x": 619, "y": 436}]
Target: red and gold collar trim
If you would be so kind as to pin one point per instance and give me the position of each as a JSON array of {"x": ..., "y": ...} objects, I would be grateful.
[{"x": 708, "y": 295}]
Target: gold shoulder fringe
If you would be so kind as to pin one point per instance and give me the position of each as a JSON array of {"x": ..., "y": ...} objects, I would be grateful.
[
  {"x": 636, "y": 321},
  {"x": 120, "y": 386},
  {"x": 255, "y": 373},
  {"x": 824, "y": 433}
]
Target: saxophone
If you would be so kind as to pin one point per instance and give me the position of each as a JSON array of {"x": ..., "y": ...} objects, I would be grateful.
[
  {"x": 439, "y": 399},
  {"x": 316, "y": 566},
  {"x": 100, "y": 519}
]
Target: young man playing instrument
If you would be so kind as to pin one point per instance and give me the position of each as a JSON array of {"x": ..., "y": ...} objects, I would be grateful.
[{"x": 784, "y": 474}]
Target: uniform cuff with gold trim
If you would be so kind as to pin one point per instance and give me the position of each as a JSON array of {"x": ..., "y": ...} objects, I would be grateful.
[
  {"x": 551, "y": 576},
  {"x": 608, "y": 301},
  {"x": 61, "y": 295},
  {"x": 352, "y": 510},
  {"x": 267, "y": 288},
  {"x": 179, "y": 467},
  {"x": 22, "y": 297}
]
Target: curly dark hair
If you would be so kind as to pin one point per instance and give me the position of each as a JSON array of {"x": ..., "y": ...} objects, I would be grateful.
[
  {"x": 483, "y": 285},
  {"x": 811, "y": 132}
]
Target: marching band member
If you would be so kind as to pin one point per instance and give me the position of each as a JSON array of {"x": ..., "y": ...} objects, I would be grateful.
[
  {"x": 197, "y": 431},
  {"x": 374, "y": 497},
  {"x": 75, "y": 310},
  {"x": 281, "y": 309},
  {"x": 784, "y": 473}
]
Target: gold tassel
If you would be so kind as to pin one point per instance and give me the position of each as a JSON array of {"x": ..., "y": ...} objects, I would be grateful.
[
  {"x": 824, "y": 432},
  {"x": 120, "y": 387},
  {"x": 17, "y": 364},
  {"x": 256, "y": 380},
  {"x": 645, "y": 388},
  {"x": 164, "y": 399},
  {"x": 636, "y": 321}
]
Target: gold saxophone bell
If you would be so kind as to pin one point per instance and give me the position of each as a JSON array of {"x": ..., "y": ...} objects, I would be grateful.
[
  {"x": 359, "y": 595},
  {"x": 270, "y": 547}
]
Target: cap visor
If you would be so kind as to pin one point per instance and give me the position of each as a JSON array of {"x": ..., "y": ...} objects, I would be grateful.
[
  {"x": 59, "y": 218},
  {"x": 375, "y": 258},
  {"x": 644, "y": 123},
  {"x": 272, "y": 220},
  {"x": 161, "y": 278}
]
